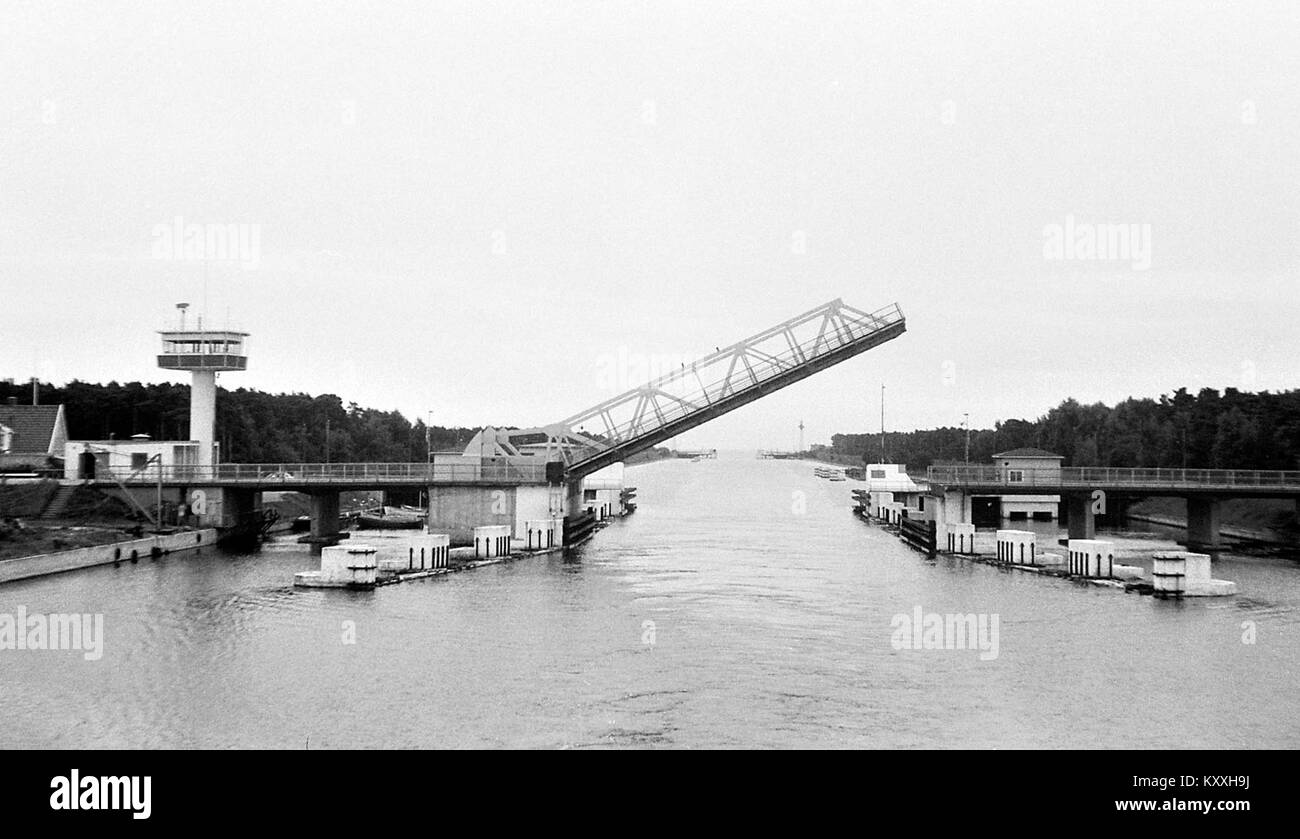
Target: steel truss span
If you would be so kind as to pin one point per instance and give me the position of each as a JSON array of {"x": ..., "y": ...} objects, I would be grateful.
[{"x": 729, "y": 378}]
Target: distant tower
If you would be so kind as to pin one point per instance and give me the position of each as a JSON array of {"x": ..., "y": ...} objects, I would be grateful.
[
  {"x": 204, "y": 353},
  {"x": 801, "y": 435}
]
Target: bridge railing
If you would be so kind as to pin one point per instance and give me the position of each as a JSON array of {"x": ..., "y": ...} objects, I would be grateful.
[
  {"x": 754, "y": 372},
  {"x": 1083, "y": 477},
  {"x": 325, "y": 474}
]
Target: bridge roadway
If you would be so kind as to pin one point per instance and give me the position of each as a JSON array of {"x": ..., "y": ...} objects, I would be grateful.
[
  {"x": 1204, "y": 489},
  {"x": 999, "y": 480},
  {"x": 306, "y": 477}
]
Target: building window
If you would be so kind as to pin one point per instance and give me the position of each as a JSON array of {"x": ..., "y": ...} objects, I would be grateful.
[
  {"x": 589, "y": 495},
  {"x": 139, "y": 460},
  {"x": 878, "y": 473},
  {"x": 1015, "y": 476}
]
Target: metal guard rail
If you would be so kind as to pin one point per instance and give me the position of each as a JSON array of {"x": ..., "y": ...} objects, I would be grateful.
[
  {"x": 1088, "y": 476},
  {"x": 297, "y": 474}
]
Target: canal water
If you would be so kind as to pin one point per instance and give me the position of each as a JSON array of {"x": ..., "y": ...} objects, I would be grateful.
[{"x": 742, "y": 605}]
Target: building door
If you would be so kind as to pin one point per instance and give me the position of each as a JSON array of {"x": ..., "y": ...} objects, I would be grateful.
[{"x": 986, "y": 511}]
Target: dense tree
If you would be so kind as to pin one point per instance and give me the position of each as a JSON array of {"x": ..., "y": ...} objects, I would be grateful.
[
  {"x": 252, "y": 426},
  {"x": 1209, "y": 430},
  {"x": 1206, "y": 430}
]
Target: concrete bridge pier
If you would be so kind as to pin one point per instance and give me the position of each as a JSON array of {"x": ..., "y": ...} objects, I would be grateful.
[
  {"x": 577, "y": 525},
  {"x": 1080, "y": 522},
  {"x": 324, "y": 530},
  {"x": 1203, "y": 520},
  {"x": 573, "y": 498}
]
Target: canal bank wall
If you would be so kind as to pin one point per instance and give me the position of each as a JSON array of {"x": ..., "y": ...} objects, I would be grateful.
[{"x": 134, "y": 550}]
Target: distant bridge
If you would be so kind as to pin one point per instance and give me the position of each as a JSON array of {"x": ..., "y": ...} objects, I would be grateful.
[
  {"x": 1204, "y": 490},
  {"x": 1000, "y": 480}
]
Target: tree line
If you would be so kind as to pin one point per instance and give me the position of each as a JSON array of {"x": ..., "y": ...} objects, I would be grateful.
[
  {"x": 252, "y": 426},
  {"x": 1208, "y": 430}
]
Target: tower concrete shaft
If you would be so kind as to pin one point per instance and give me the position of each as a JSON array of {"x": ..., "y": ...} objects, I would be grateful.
[{"x": 203, "y": 414}]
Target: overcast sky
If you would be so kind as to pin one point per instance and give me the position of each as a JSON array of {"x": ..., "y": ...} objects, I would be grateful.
[{"x": 500, "y": 213}]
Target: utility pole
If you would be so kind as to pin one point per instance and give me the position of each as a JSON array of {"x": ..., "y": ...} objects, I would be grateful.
[
  {"x": 327, "y": 439},
  {"x": 882, "y": 423},
  {"x": 966, "y": 424}
]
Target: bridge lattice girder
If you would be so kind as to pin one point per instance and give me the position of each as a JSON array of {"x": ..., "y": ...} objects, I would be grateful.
[{"x": 729, "y": 378}]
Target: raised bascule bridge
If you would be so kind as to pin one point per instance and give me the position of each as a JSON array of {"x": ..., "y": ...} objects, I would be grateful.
[{"x": 509, "y": 476}]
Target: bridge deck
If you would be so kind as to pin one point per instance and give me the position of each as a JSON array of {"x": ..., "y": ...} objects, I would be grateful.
[
  {"x": 307, "y": 476},
  {"x": 999, "y": 480},
  {"x": 728, "y": 379}
]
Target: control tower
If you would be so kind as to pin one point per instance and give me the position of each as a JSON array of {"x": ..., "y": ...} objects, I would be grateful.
[{"x": 204, "y": 353}]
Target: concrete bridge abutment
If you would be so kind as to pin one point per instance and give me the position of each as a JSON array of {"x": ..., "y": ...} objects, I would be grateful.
[{"x": 458, "y": 510}]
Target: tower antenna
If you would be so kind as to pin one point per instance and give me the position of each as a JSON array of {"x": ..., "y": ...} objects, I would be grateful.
[{"x": 882, "y": 423}]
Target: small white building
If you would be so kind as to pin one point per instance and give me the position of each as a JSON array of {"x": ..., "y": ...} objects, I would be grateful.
[
  {"x": 889, "y": 483},
  {"x": 1029, "y": 467},
  {"x": 137, "y": 455}
]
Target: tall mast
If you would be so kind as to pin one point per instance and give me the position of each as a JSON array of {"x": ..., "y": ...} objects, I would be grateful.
[{"x": 882, "y": 423}]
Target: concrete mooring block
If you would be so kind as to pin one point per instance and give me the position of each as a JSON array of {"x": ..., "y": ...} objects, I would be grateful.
[
  {"x": 349, "y": 565},
  {"x": 492, "y": 540},
  {"x": 1187, "y": 574},
  {"x": 1091, "y": 558},
  {"x": 961, "y": 538},
  {"x": 540, "y": 534},
  {"x": 419, "y": 553},
  {"x": 1017, "y": 547}
]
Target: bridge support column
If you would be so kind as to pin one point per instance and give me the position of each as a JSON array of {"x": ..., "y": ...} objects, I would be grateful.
[
  {"x": 324, "y": 521},
  {"x": 952, "y": 507},
  {"x": 1203, "y": 520},
  {"x": 578, "y": 524},
  {"x": 1080, "y": 522},
  {"x": 573, "y": 498}
]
